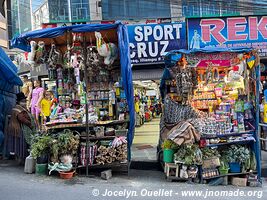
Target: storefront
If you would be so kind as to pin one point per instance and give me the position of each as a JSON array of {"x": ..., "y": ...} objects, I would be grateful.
[
  {"x": 93, "y": 92},
  {"x": 209, "y": 128}
]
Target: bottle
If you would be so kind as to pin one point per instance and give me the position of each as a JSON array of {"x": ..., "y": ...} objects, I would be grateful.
[{"x": 29, "y": 167}]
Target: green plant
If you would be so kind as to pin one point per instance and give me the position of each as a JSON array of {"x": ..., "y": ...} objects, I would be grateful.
[
  {"x": 189, "y": 155},
  {"x": 224, "y": 165},
  {"x": 67, "y": 143},
  {"x": 236, "y": 153},
  {"x": 41, "y": 146},
  {"x": 169, "y": 144},
  {"x": 209, "y": 153}
]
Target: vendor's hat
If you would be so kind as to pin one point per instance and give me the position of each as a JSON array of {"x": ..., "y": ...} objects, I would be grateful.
[{"x": 20, "y": 96}]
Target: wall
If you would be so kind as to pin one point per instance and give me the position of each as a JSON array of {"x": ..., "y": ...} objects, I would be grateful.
[
  {"x": 95, "y": 10},
  {"x": 40, "y": 15}
]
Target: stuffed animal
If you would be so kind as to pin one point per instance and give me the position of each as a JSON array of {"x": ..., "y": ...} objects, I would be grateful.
[
  {"x": 33, "y": 52},
  {"x": 40, "y": 52},
  {"x": 107, "y": 50}
]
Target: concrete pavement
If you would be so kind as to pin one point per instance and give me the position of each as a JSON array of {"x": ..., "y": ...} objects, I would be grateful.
[{"x": 15, "y": 185}]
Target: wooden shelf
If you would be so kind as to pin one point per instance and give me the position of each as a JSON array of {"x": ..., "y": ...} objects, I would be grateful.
[
  {"x": 83, "y": 125},
  {"x": 98, "y": 99},
  {"x": 107, "y": 165},
  {"x": 228, "y": 135},
  {"x": 98, "y": 138},
  {"x": 98, "y": 90},
  {"x": 230, "y": 143},
  {"x": 203, "y": 99},
  {"x": 230, "y": 174}
]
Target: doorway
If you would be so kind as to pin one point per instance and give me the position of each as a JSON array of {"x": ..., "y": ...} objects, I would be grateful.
[{"x": 148, "y": 112}]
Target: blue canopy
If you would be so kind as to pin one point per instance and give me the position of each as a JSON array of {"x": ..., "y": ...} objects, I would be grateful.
[
  {"x": 22, "y": 42},
  {"x": 8, "y": 71},
  {"x": 211, "y": 50}
]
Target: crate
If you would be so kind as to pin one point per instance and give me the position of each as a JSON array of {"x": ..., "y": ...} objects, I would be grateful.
[{"x": 242, "y": 182}]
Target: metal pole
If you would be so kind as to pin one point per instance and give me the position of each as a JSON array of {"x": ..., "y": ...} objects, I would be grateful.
[
  {"x": 86, "y": 104},
  {"x": 257, "y": 131}
]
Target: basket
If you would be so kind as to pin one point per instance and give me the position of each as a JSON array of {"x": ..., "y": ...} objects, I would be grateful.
[
  {"x": 211, "y": 163},
  {"x": 223, "y": 171}
]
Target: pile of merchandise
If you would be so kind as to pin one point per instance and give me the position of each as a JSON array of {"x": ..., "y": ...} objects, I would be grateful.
[{"x": 208, "y": 125}]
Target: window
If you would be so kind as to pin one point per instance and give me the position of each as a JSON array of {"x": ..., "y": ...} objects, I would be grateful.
[
  {"x": 80, "y": 10},
  {"x": 135, "y": 9},
  {"x": 58, "y": 11}
]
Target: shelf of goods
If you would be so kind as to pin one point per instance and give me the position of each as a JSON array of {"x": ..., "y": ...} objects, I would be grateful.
[
  {"x": 86, "y": 75},
  {"x": 217, "y": 111}
]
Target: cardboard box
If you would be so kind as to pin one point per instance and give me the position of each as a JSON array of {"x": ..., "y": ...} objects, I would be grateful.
[
  {"x": 211, "y": 163},
  {"x": 242, "y": 182}
]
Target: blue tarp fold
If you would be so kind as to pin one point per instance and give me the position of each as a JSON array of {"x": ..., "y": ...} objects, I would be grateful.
[
  {"x": 8, "y": 72},
  {"x": 22, "y": 42}
]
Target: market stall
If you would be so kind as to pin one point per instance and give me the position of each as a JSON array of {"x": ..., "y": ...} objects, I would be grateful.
[
  {"x": 93, "y": 92},
  {"x": 209, "y": 127}
]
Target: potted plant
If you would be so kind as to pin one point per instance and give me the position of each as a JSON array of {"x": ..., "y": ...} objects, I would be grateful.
[
  {"x": 224, "y": 168},
  {"x": 168, "y": 150},
  {"x": 188, "y": 155},
  {"x": 39, "y": 150},
  {"x": 63, "y": 148},
  {"x": 236, "y": 156}
]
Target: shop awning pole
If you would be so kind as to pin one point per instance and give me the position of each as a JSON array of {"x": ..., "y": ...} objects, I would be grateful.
[
  {"x": 258, "y": 129},
  {"x": 86, "y": 103}
]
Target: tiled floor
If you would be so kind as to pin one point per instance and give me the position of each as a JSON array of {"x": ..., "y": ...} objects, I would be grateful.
[{"x": 145, "y": 142}]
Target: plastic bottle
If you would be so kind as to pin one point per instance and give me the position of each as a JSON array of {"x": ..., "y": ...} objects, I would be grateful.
[{"x": 29, "y": 166}]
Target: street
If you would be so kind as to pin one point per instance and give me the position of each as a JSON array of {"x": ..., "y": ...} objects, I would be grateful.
[{"x": 15, "y": 185}]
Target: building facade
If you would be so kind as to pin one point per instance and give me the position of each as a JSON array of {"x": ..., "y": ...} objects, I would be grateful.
[
  {"x": 19, "y": 14},
  {"x": 3, "y": 32},
  {"x": 60, "y": 11}
]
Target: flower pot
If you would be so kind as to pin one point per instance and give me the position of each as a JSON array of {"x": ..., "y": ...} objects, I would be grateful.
[
  {"x": 66, "y": 175},
  {"x": 168, "y": 155},
  {"x": 41, "y": 169},
  {"x": 235, "y": 167},
  {"x": 223, "y": 171}
]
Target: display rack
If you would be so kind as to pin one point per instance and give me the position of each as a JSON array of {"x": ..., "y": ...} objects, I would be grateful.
[{"x": 61, "y": 38}]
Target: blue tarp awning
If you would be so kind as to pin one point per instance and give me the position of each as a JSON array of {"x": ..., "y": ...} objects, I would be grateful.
[
  {"x": 22, "y": 42},
  {"x": 8, "y": 70},
  {"x": 211, "y": 50}
]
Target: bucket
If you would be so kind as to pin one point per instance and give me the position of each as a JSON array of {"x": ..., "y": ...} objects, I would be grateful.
[
  {"x": 235, "y": 167},
  {"x": 223, "y": 171},
  {"x": 168, "y": 155},
  {"x": 41, "y": 169}
]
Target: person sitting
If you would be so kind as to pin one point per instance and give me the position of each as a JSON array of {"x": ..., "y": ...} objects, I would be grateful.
[{"x": 21, "y": 129}]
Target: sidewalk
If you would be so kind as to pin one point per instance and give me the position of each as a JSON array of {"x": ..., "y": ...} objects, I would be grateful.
[{"x": 15, "y": 185}]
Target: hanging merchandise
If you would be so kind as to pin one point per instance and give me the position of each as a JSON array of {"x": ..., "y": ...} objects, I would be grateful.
[
  {"x": 217, "y": 111},
  {"x": 107, "y": 50}
]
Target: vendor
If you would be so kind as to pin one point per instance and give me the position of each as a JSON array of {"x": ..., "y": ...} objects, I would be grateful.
[{"x": 21, "y": 129}]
